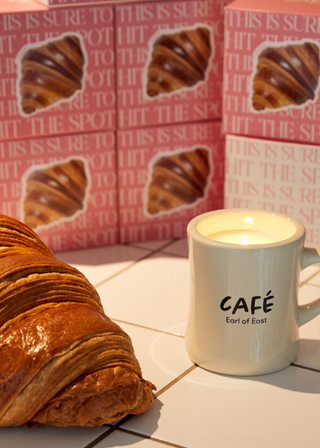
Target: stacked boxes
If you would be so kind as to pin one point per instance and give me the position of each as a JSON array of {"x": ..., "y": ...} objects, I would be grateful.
[
  {"x": 57, "y": 122},
  {"x": 169, "y": 78},
  {"x": 110, "y": 114},
  {"x": 84, "y": 101},
  {"x": 271, "y": 93},
  {"x": 167, "y": 175},
  {"x": 83, "y": 89},
  {"x": 64, "y": 187}
]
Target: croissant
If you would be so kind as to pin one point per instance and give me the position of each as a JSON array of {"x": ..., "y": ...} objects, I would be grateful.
[
  {"x": 178, "y": 60},
  {"x": 63, "y": 362},
  {"x": 178, "y": 180},
  {"x": 286, "y": 75},
  {"x": 50, "y": 73},
  {"x": 55, "y": 192}
]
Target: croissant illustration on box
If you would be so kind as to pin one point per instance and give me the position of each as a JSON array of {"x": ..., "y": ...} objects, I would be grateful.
[
  {"x": 54, "y": 191},
  {"x": 63, "y": 362},
  {"x": 286, "y": 75},
  {"x": 178, "y": 59},
  {"x": 49, "y": 72},
  {"x": 177, "y": 179}
]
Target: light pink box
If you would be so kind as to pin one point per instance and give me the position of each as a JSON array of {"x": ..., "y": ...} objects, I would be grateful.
[
  {"x": 81, "y": 96},
  {"x": 277, "y": 176},
  {"x": 160, "y": 35},
  {"x": 167, "y": 175},
  {"x": 64, "y": 187},
  {"x": 271, "y": 70}
]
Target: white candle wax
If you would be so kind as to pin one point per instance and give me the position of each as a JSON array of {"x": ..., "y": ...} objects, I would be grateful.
[{"x": 246, "y": 236}]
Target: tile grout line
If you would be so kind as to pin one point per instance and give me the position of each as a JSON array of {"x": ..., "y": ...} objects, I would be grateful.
[
  {"x": 136, "y": 245},
  {"x": 163, "y": 442},
  {"x": 149, "y": 254},
  {"x": 310, "y": 278},
  {"x": 123, "y": 270},
  {"x": 311, "y": 369},
  {"x": 117, "y": 426},
  {"x": 147, "y": 328},
  {"x": 173, "y": 382},
  {"x": 127, "y": 417},
  {"x": 101, "y": 437}
]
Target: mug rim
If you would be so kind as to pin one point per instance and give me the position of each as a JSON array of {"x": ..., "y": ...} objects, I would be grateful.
[{"x": 194, "y": 232}]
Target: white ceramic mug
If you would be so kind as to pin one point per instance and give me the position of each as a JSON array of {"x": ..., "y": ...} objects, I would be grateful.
[{"x": 244, "y": 316}]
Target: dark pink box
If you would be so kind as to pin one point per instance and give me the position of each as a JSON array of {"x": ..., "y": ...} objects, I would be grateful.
[
  {"x": 139, "y": 28},
  {"x": 139, "y": 150},
  {"x": 87, "y": 104},
  {"x": 73, "y": 175}
]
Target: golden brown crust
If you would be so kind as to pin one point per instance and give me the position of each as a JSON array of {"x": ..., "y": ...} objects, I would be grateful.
[
  {"x": 16, "y": 238},
  {"x": 286, "y": 75},
  {"x": 62, "y": 360},
  {"x": 29, "y": 280},
  {"x": 116, "y": 390}
]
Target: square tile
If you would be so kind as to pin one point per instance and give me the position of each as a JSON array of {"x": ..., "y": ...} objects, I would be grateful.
[
  {"x": 309, "y": 352},
  {"x": 98, "y": 264},
  {"x": 179, "y": 247},
  {"x": 153, "y": 293},
  {"x": 119, "y": 439},
  {"x": 162, "y": 357},
  {"x": 310, "y": 272},
  {"x": 48, "y": 437},
  {"x": 151, "y": 245},
  {"x": 205, "y": 409},
  {"x": 315, "y": 280}
]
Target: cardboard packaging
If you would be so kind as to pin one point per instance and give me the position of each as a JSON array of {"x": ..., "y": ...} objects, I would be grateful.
[
  {"x": 169, "y": 62},
  {"x": 167, "y": 175},
  {"x": 64, "y": 187},
  {"x": 277, "y": 176},
  {"x": 63, "y": 3},
  {"x": 69, "y": 49},
  {"x": 271, "y": 70}
]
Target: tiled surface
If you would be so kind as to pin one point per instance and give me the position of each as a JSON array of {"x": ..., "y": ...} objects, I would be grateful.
[
  {"x": 145, "y": 288},
  {"x": 99, "y": 264},
  {"x": 158, "y": 293},
  {"x": 48, "y": 437}
]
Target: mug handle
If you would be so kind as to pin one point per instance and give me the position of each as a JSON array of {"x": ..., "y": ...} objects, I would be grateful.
[{"x": 310, "y": 310}]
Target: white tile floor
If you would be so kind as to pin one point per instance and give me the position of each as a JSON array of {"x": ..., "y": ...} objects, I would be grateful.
[{"x": 145, "y": 288}]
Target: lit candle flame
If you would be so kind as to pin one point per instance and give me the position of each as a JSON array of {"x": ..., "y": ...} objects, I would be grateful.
[{"x": 244, "y": 240}]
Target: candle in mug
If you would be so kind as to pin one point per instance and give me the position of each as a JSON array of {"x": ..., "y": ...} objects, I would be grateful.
[{"x": 246, "y": 237}]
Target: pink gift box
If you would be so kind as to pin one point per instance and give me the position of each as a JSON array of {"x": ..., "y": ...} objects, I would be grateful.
[
  {"x": 62, "y": 3},
  {"x": 279, "y": 176},
  {"x": 89, "y": 105},
  {"x": 271, "y": 89},
  {"x": 139, "y": 150},
  {"x": 139, "y": 28},
  {"x": 41, "y": 172}
]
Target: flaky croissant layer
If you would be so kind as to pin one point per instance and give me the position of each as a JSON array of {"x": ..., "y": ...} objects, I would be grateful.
[{"x": 63, "y": 362}]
